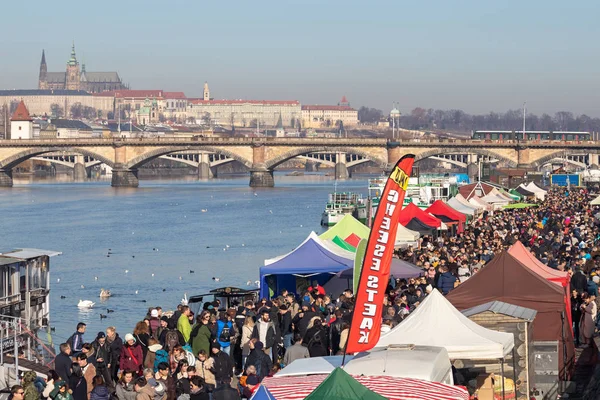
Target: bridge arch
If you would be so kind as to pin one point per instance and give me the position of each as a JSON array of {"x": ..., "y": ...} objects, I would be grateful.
[
  {"x": 300, "y": 151},
  {"x": 474, "y": 150},
  {"x": 15, "y": 159},
  {"x": 151, "y": 155},
  {"x": 561, "y": 154}
]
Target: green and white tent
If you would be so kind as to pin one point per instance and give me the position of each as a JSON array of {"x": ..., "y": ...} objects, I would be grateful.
[{"x": 341, "y": 386}]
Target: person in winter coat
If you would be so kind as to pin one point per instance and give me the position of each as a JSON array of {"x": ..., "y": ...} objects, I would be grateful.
[
  {"x": 143, "y": 389},
  {"x": 153, "y": 347},
  {"x": 76, "y": 340},
  {"x": 51, "y": 381},
  {"x": 316, "y": 339},
  {"x": 167, "y": 380},
  {"x": 62, "y": 362},
  {"x": 222, "y": 365},
  {"x": 60, "y": 391},
  {"x": 141, "y": 333},
  {"x": 31, "y": 392},
  {"x": 131, "y": 355},
  {"x": 259, "y": 359},
  {"x": 154, "y": 323},
  {"x": 77, "y": 383},
  {"x": 197, "y": 389},
  {"x": 226, "y": 392},
  {"x": 264, "y": 331},
  {"x": 100, "y": 391},
  {"x": 247, "y": 330},
  {"x": 183, "y": 323},
  {"x": 103, "y": 358},
  {"x": 446, "y": 281},
  {"x": 225, "y": 331},
  {"x": 296, "y": 351},
  {"x": 125, "y": 388},
  {"x": 201, "y": 335},
  {"x": 204, "y": 368},
  {"x": 116, "y": 346},
  {"x": 89, "y": 372}
]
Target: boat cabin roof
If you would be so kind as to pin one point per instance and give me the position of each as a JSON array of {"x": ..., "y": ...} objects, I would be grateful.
[
  {"x": 28, "y": 253},
  {"x": 5, "y": 260}
]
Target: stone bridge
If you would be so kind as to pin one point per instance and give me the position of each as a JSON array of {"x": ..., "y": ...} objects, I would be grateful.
[{"x": 262, "y": 155}]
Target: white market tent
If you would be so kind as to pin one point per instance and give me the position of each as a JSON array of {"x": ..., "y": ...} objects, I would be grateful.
[
  {"x": 596, "y": 201},
  {"x": 475, "y": 206},
  {"x": 406, "y": 237},
  {"x": 436, "y": 322},
  {"x": 460, "y": 207},
  {"x": 496, "y": 199},
  {"x": 312, "y": 366},
  {"x": 536, "y": 190},
  {"x": 428, "y": 363},
  {"x": 476, "y": 201}
]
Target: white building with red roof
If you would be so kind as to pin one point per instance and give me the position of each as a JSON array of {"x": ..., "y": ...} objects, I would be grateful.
[
  {"x": 244, "y": 113},
  {"x": 325, "y": 116},
  {"x": 21, "y": 123}
]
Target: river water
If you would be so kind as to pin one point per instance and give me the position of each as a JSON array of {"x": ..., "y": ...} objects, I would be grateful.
[{"x": 158, "y": 233}]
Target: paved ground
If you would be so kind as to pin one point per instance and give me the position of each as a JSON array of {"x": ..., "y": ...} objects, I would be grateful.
[{"x": 587, "y": 373}]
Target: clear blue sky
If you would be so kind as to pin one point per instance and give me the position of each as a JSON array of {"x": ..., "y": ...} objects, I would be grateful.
[{"x": 474, "y": 55}]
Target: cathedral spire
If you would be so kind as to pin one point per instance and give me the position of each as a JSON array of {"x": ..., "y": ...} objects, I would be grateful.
[
  {"x": 206, "y": 92},
  {"x": 42, "y": 81}
]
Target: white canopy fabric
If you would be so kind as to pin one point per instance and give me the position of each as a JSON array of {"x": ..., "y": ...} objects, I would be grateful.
[
  {"x": 476, "y": 201},
  {"x": 496, "y": 199},
  {"x": 475, "y": 206},
  {"x": 428, "y": 363},
  {"x": 596, "y": 201},
  {"x": 312, "y": 366},
  {"x": 536, "y": 190},
  {"x": 460, "y": 207},
  {"x": 436, "y": 322},
  {"x": 405, "y": 236}
]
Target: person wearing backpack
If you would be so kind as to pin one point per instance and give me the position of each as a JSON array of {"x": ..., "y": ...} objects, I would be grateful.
[{"x": 225, "y": 331}]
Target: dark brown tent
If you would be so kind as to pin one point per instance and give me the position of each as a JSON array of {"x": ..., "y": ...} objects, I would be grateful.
[{"x": 506, "y": 279}]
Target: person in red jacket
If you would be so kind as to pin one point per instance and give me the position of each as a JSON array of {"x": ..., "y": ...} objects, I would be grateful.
[
  {"x": 132, "y": 357},
  {"x": 317, "y": 287}
]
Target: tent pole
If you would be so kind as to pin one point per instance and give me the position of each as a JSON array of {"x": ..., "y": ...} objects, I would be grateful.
[
  {"x": 514, "y": 370},
  {"x": 502, "y": 368}
]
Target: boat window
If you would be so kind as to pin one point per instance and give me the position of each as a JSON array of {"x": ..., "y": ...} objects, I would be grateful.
[
  {"x": 44, "y": 273},
  {"x": 34, "y": 274},
  {"x": 22, "y": 278},
  {"x": 12, "y": 279}
]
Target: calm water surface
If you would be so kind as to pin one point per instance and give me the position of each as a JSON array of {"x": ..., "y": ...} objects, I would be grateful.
[{"x": 85, "y": 220}]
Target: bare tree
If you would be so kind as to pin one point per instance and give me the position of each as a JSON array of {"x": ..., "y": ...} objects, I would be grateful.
[{"x": 56, "y": 110}]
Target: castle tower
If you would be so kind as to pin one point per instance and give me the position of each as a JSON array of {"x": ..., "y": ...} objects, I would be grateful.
[
  {"x": 206, "y": 92},
  {"x": 43, "y": 79},
  {"x": 73, "y": 81},
  {"x": 21, "y": 123}
]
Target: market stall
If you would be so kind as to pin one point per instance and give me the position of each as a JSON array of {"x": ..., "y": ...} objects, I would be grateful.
[
  {"x": 313, "y": 259},
  {"x": 447, "y": 214}
]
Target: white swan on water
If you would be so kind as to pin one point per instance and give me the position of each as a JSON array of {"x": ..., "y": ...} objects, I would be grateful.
[
  {"x": 85, "y": 304},
  {"x": 184, "y": 301}
]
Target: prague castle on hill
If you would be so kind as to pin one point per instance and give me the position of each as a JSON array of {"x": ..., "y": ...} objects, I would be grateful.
[{"x": 76, "y": 78}]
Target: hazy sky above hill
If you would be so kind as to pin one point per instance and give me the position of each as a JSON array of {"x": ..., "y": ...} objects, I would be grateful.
[{"x": 472, "y": 55}]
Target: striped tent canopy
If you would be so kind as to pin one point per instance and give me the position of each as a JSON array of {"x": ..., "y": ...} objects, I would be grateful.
[{"x": 299, "y": 387}]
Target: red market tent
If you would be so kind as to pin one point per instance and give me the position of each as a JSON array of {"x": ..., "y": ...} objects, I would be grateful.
[
  {"x": 393, "y": 388},
  {"x": 506, "y": 279},
  {"x": 447, "y": 214},
  {"x": 412, "y": 211},
  {"x": 562, "y": 278}
]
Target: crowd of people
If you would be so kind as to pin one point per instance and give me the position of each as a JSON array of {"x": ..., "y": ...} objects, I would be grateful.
[{"x": 226, "y": 354}]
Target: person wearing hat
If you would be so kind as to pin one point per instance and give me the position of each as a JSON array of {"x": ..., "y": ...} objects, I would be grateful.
[
  {"x": 103, "y": 358},
  {"x": 154, "y": 323},
  {"x": 60, "y": 392},
  {"x": 257, "y": 357},
  {"x": 132, "y": 357},
  {"x": 222, "y": 365}
]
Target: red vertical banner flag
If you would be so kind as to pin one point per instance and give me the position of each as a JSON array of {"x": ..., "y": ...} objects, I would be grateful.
[{"x": 365, "y": 328}]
